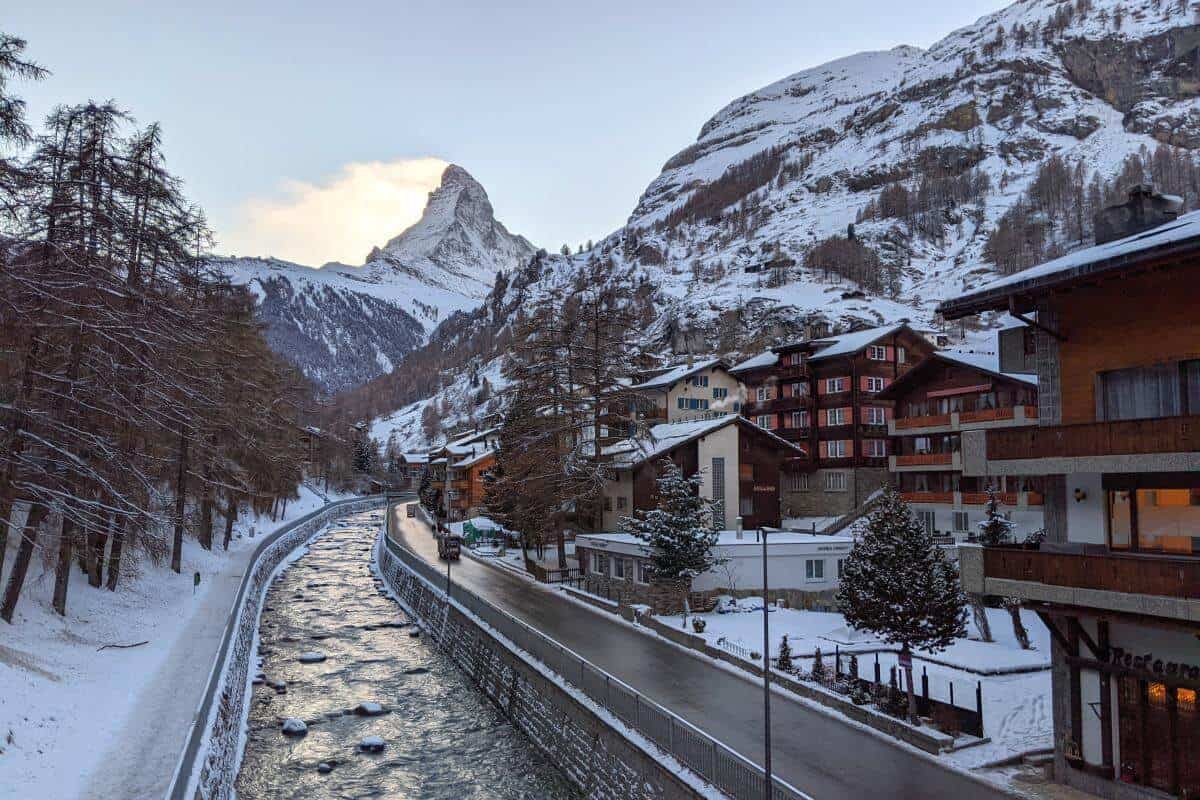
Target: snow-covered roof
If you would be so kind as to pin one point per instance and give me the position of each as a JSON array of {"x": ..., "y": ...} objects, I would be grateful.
[
  {"x": 473, "y": 436},
  {"x": 849, "y": 343},
  {"x": 729, "y": 538},
  {"x": 1179, "y": 235},
  {"x": 666, "y": 437},
  {"x": 766, "y": 359},
  {"x": 988, "y": 362},
  {"x": 671, "y": 376},
  {"x": 415, "y": 458},
  {"x": 472, "y": 460}
]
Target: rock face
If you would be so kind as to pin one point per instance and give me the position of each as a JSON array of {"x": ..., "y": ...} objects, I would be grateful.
[{"x": 344, "y": 325}]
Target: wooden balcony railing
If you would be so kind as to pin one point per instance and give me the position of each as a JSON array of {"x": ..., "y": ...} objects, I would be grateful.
[
  {"x": 980, "y": 499},
  {"x": 925, "y": 460},
  {"x": 1127, "y": 437},
  {"x": 1113, "y": 572},
  {"x": 985, "y": 415},
  {"x": 930, "y": 421},
  {"x": 928, "y": 497}
]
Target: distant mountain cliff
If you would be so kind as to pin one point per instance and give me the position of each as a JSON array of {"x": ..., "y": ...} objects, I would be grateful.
[{"x": 344, "y": 325}]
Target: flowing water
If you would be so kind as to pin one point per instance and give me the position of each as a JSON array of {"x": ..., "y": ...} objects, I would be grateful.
[{"x": 443, "y": 739}]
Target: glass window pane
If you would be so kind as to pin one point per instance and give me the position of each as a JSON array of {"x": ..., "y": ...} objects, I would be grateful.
[
  {"x": 1139, "y": 393},
  {"x": 1119, "y": 520},
  {"x": 1168, "y": 520},
  {"x": 1191, "y": 382}
]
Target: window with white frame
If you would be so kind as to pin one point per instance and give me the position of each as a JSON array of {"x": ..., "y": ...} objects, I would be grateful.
[
  {"x": 762, "y": 394},
  {"x": 643, "y": 571},
  {"x": 901, "y": 355},
  {"x": 835, "y": 385},
  {"x": 621, "y": 568},
  {"x": 836, "y": 448},
  {"x": 841, "y": 567},
  {"x": 835, "y": 416},
  {"x": 926, "y": 520},
  {"x": 765, "y": 421},
  {"x": 600, "y": 563},
  {"x": 799, "y": 389},
  {"x": 877, "y": 353},
  {"x": 720, "y": 393},
  {"x": 875, "y": 384},
  {"x": 962, "y": 522},
  {"x": 814, "y": 569},
  {"x": 835, "y": 481},
  {"x": 795, "y": 481},
  {"x": 876, "y": 415},
  {"x": 799, "y": 419},
  {"x": 700, "y": 381},
  {"x": 875, "y": 448}
]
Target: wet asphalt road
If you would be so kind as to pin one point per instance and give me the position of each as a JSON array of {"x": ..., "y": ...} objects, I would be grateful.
[{"x": 828, "y": 758}]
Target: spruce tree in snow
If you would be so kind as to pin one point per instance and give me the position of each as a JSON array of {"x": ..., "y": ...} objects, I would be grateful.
[
  {"x": 819, "y": 673},
  {"x": 899, "y": 585},
  {"x": 784, "y": 661},
  {"x": 995, "y": 528},
  {"x": 678, "y": 530}
]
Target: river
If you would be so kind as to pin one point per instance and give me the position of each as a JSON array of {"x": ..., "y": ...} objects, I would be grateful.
[{"x": 442, "y": 738}]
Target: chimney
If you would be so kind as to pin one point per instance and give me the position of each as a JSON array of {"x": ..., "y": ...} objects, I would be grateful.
[{"x": 1145, "y": 209}]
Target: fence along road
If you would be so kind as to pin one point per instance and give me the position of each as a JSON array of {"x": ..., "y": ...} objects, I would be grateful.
[{"x": 821, "y": 755}]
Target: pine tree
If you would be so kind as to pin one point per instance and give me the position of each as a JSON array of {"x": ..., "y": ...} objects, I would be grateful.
[
  {"x": 899, "y": 585},
  {"x": 784, "y": 661},
  {"x": 678, "y": 530},
  {"x": 995, "y": 528}
]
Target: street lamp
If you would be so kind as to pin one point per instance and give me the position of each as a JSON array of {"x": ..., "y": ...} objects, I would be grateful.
[{"x": 767, "y": 793}]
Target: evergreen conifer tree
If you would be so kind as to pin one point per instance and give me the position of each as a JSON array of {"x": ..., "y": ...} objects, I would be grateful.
[
  {"x": 678, "y": 530},
  {"x": 784, "y": 661},
  {"x": 819, "y": 673},
  {"x": 995, "y": 528},
  {"x": 899, "y": 585}
]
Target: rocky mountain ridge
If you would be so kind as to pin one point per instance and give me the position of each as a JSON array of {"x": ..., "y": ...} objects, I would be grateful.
[{"x": 344, "y": 325}]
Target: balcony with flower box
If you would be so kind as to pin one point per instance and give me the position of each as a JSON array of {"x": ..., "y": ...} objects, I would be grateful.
[
  {"x": 918, "y": 462},
  {"x": 978, "y": 419}
]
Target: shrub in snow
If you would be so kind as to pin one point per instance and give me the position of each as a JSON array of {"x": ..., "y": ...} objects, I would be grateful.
[
  {"x": 294, "y": 727},
  {"x": 678, "y": 530},
  {"x": 698, "y": 624},
  {"x": 898, "y": 584},
  {"x": 784, "y": 661},
  {"x": 819, "y": 673}
]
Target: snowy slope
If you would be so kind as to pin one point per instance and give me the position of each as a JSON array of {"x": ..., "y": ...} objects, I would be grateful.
[{"x": 343, "y": 325}]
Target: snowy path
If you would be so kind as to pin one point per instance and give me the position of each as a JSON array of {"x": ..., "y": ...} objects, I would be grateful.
[
  {"x": 819, "y": 753},
  {"x": 111, "y": 724}
]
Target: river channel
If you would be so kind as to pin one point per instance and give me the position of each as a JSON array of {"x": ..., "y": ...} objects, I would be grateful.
[{"x": 442, "y": 739}]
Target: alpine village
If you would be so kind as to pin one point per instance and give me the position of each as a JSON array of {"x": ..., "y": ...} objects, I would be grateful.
[{"x": 863, "y": 460}]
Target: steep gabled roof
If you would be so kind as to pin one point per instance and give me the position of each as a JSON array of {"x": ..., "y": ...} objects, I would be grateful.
[
  {"x": 768, "y": 358},
  {"x": 1180, "y": 237},
  {"x": 850, "y": 343},
  {"x": 664, "y": 438},
  {"x": 988, "y": 363},
  {"x": 676, "y": 374}
]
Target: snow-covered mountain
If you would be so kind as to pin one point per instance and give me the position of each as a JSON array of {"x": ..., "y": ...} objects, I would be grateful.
[
  {"x": 343, "y": 325},
  {"x": 746, "y": 232}
]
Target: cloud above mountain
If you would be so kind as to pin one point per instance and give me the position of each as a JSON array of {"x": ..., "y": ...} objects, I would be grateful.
[{"x": 338, "y": 218}]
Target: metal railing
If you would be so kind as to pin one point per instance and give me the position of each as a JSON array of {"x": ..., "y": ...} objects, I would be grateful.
[{"x": 727, "y": 770}]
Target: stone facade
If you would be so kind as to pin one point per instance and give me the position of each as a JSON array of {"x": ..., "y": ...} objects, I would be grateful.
[{"x": 816, "y": 501}]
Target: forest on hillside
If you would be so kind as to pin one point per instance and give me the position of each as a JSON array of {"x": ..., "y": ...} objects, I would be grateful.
[{"x": 139, "y": 402}]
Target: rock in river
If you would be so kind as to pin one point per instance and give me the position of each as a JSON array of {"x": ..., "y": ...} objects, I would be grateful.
[
  {"x": 294, "y": 727},
  {"x": 312, "y": 657},
  {"x": 371, "y": 744},
  {"x": 368, "y": 709}
]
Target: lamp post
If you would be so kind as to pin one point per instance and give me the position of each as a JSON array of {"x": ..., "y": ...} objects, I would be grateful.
[{"x": 767, "y": 792}]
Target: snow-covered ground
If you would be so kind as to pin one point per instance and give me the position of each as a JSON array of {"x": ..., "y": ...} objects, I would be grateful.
[
  {"x": 80, "y": 722},
  {"x": 1016, "y": 707}
]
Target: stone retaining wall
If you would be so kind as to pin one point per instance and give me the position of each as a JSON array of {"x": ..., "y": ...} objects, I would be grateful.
[
  {"x": 210, "y": 761},
  {"x": 594, "y": 754}
]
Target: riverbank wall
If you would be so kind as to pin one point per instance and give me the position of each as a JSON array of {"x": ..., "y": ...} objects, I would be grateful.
[{"x": 209, "y": 763}]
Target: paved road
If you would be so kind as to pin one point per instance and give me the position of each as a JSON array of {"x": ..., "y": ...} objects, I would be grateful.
[{"x": 826, "y": 757}]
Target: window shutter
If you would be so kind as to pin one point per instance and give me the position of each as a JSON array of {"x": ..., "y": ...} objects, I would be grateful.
[
  {"x": 891, "y": 353},
  {"x": 823, "y": 419},
  {"x": 824, "y": 447}
]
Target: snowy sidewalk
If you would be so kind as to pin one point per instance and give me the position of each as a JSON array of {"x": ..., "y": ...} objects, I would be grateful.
[{"x": 111, "y": 724}]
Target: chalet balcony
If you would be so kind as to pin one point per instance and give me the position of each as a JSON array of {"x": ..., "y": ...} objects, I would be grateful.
[
  {"x": 795, "y": 372},
  {"x": 939, "y": 498},
  {"x": 1088, "y": 576},
  {"x": 963, "y": 499},
  {"x": 981, "y": 419},
  {"x": 921, "y": 462},
  {"x": 1167, "y": 444}
]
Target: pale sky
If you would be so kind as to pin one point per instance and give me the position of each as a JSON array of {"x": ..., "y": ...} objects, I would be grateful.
[{"x": 312, "y": 131}]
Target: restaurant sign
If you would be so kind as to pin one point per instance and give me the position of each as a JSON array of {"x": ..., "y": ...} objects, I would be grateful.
[{"x": 1122, "y": 658}]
